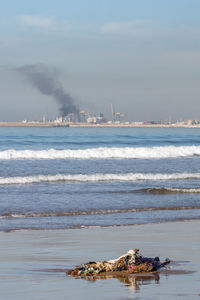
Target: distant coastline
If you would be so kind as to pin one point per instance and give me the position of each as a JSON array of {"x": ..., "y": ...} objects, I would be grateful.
[{"x": 100, "y": 125}]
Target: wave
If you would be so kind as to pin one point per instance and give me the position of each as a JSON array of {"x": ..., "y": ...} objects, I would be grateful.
[
  {"x": 169, "y": 190},
  {"x": 95, "y": 212},
  {"x": 99, "y": 177},
  {"x": 103, "y": 153}
]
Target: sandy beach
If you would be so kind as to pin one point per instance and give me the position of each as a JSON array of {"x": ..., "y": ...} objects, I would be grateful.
[{"x": 33, "y": 262}]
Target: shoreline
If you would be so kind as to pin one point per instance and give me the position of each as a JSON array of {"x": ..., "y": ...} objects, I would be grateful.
[
  {"x": 86, "y": 125},
  {"x": 94, "y": 227}
]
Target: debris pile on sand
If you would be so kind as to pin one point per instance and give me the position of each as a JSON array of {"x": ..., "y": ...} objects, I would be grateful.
[{"x": 131, "y": 262}]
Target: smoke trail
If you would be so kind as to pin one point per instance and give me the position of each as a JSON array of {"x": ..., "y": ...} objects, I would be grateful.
[{"x": 44, "y": 80}]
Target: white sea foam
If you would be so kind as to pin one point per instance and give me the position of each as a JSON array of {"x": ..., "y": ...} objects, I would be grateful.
[
  {"x": 102, "y": 153},
  {"x": 97, "y": 177},
  {"x": 179, "y": 190},
  {"x": 159, "y": 190},
  {"x": 94, "y": 212}
]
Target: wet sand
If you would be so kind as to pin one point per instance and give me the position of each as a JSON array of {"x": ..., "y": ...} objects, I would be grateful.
[{"x": 33, "y": 263}]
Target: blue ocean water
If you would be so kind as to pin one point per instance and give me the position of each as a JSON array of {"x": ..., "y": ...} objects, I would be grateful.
[{"x": 61, "y": 177}]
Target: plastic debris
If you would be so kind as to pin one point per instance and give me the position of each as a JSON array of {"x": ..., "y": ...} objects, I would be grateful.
[{"x": 131, "y": 262}]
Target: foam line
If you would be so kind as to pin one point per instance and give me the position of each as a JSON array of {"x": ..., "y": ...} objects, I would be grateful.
[
  {"x": 97, "y": 177},
  {"x": 95, "y": 212},
  {"x": 103, "y": 153}
]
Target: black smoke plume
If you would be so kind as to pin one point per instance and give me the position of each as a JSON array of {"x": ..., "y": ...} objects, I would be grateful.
[{"x": 45, "y": 81}]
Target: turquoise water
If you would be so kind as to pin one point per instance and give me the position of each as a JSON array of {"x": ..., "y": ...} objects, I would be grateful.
[{"x": 72, "y": 177}]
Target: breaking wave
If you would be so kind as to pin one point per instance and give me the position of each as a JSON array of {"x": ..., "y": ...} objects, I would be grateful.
[
  {"x": 98, "y": 177},
  {"x": 95, "y": 212},
  {"x": 103, "y": 153},
  {"x": 170, "y": 190}
]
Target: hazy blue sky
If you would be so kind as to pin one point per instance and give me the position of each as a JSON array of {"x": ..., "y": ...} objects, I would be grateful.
[{"x": 141, "y": 55}]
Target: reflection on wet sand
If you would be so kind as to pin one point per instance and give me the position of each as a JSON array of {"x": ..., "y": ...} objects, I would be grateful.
[{"x": 133, "y": 281}]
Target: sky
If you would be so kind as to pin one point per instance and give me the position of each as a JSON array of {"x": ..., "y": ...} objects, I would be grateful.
[{"x": 143, "y": 56}]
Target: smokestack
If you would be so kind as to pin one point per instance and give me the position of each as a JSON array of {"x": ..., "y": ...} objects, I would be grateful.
[{"x": 45, "y": 81}]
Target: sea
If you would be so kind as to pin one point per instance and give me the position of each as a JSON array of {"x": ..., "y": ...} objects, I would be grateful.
[{"x": 61, "y": 177}]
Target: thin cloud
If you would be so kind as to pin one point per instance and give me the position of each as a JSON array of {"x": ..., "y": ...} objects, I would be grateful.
[
  {"x": 36, "y": 21},
  {"x": 133, "y": 28},
  {"x": 183, "y": 37}
]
